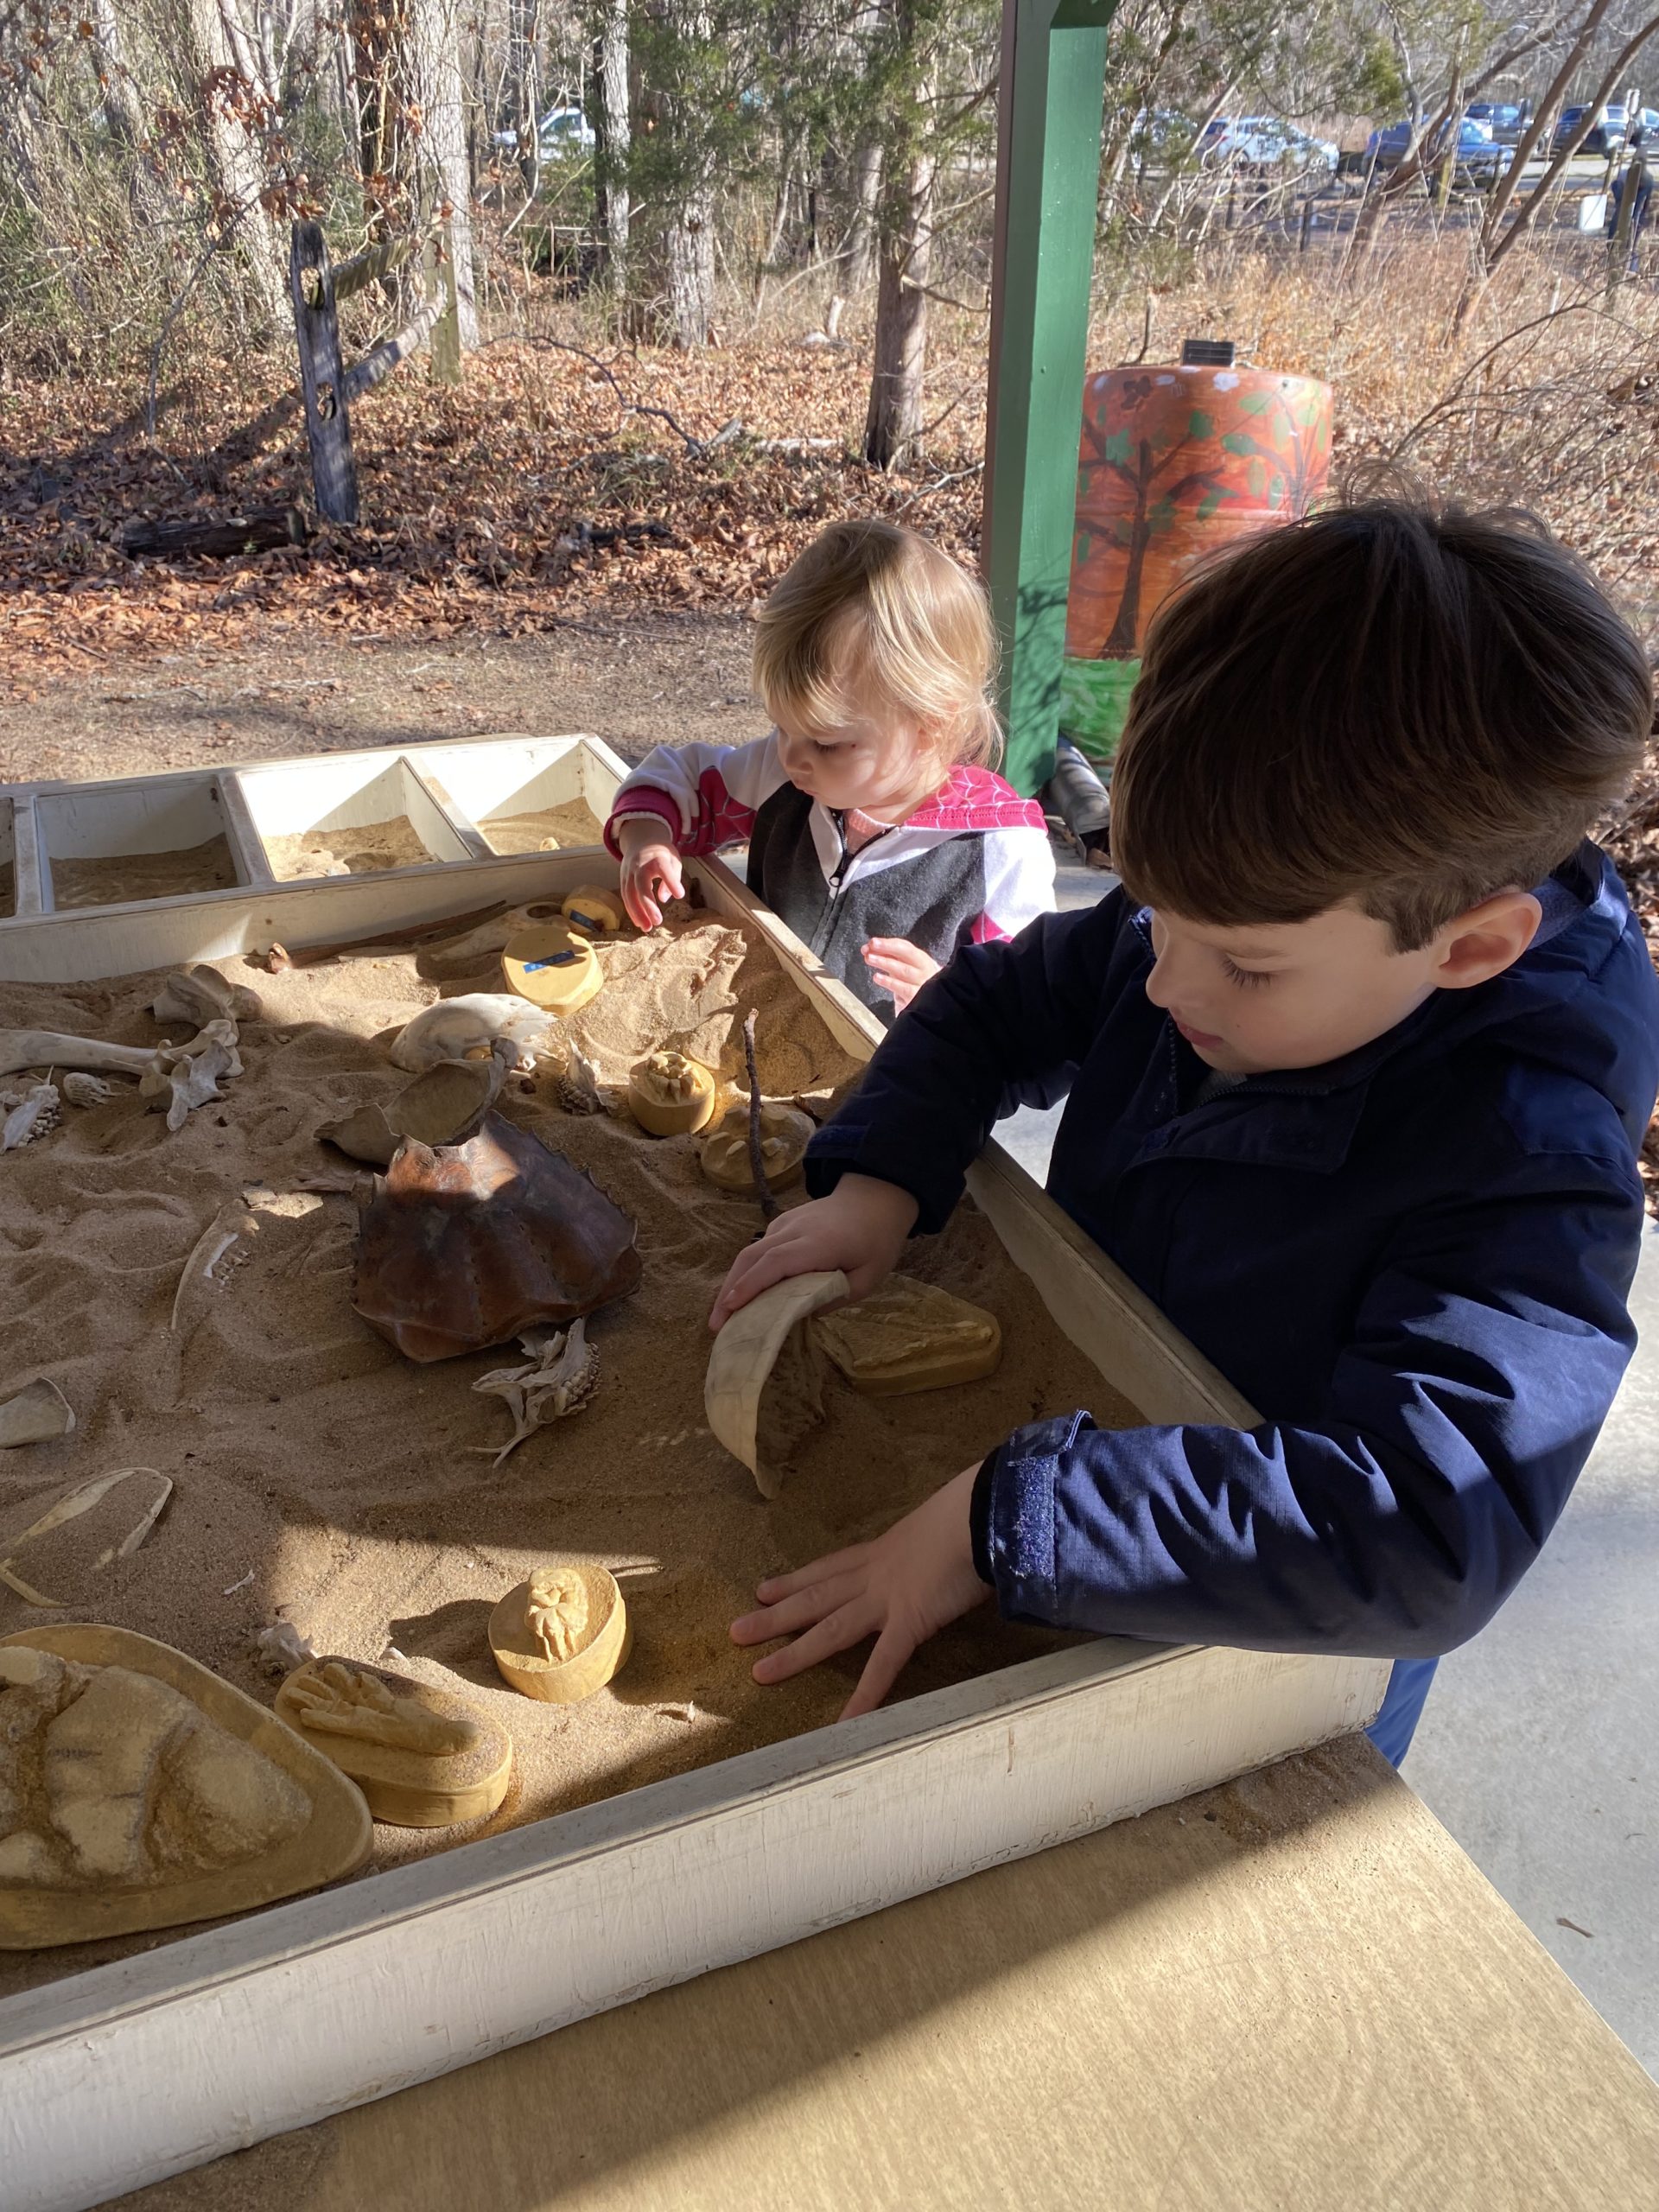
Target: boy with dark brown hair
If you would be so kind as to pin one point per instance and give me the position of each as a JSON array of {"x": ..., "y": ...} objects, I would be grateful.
[{"x": 1359, "y": 1060}]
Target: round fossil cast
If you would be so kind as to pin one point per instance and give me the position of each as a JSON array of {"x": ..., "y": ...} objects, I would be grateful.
[
  {"x": 553, "y": 966},
  {"x": 785, "y": 1131},
  {"x": 562, "y": 1633},
  {"x": 424, "y": 1758},
  {"x": 591, "y": 907},
  {"x": 669, "y": 1095}
]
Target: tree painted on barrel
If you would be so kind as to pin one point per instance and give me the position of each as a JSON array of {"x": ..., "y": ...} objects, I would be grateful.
[{"x": 1171, "y": 472}]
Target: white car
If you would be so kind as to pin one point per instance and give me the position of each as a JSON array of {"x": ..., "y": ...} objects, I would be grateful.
[
  {"x": 561, "y": 130},
  {"x": 1263, "y": 142}
]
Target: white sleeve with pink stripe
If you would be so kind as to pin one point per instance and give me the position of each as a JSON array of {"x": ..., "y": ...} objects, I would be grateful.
[
  {"x": 1019, "y": 882},
  {"x": 708, "y": 794}
]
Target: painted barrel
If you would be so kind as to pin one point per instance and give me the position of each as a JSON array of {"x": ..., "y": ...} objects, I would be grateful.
[{"x": 1173, "y": 463}]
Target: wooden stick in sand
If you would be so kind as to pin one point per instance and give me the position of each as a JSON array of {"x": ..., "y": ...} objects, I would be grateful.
[{"x": 769, "y": 1205}]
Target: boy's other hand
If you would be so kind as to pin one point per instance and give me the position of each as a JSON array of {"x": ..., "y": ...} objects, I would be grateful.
[
  {"x": 859, "y": 1229},
  {"x": 897, "y": 965},
  {"x": 901, "y": 1589},
  {"x": 650, "y": 869}
]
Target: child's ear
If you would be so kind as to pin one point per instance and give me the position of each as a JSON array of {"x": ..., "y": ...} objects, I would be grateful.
[{"x": 1486, "y": 940}]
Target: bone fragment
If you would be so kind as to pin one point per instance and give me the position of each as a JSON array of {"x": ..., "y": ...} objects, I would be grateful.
[
  {"x": 35, "y": 1415},
  {"x": 36, "y": 1112},
  {"x": 561, "y": 1375},
  {"x": 202, "y": 996},
  {"x": 364, "y": 1134},
  {"x": 87, "y": 1090}
]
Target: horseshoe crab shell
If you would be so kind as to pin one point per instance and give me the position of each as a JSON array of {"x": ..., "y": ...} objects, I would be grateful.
[{"x": 468, "y": 1245}]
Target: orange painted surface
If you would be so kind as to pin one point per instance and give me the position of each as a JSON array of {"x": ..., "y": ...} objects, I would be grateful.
[{"x": 1173, "y": 463}]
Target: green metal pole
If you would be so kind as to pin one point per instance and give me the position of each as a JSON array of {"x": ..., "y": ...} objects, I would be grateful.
[{"x": 1048, "y": 173}]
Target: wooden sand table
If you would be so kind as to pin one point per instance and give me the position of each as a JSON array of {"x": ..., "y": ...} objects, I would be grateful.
[{"x": 321, "y": 1478}]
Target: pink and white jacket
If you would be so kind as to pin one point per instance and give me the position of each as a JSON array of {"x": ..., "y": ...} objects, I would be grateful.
[{"x": 971, "y": 865}]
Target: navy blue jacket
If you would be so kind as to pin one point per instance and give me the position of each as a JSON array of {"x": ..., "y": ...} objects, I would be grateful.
[{"x": 1413, "y": 1261}]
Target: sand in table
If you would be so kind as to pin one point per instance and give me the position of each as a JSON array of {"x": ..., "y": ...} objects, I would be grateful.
[
  {"x": 319, "y": 1475},
  {"x": 367, "y": 849},
  {"x": 549, "y": 830},
  {"x": 111, "y": 880}
]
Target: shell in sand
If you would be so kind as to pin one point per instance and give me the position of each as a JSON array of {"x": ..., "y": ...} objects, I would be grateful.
[{"x": 468, "y": 1245}]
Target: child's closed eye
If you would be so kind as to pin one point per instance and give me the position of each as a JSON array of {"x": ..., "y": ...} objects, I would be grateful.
[{"x": 1244, "y": 976}]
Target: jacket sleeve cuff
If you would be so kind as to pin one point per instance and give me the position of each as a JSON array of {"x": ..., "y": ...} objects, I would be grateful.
[
  {"x": 643, "y": 801},
  {"x": 979, "y": 1517},
  {"x": 1012, "y": 1518},
  {"x": 836, "y": 1152}
]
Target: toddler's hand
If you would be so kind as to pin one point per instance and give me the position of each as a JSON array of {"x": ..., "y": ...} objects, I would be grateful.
[
  {"x": 901, "y": 1589},
  {"x": 859, "y": 1229},
  {"x": 650, "y": 869},
  {"x": 897, "y": 965}
]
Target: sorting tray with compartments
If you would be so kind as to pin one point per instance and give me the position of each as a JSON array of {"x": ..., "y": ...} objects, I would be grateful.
[
  {"x": 353, "y": 841},
  {"x": 128, "y": 2072}
]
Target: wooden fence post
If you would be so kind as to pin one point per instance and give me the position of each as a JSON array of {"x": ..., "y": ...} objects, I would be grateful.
[
  {"x": 322, "y": 381},
  {"x": 438, "y": 268}
]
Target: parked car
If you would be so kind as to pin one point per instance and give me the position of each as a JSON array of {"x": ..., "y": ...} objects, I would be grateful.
[
  {"x": 1263, "y": 142},
  {"x": 561, "y": 130},
  {"x": 1600, "y": 139},
  {"x": 1505, "y": 119},
  {"x": 1480, "y": 158}
]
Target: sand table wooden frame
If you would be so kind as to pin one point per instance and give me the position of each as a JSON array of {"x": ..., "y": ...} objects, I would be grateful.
[{"x": 322, "y": 1480}]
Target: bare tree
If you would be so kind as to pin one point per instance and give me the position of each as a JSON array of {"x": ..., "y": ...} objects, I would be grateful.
[
  {"x": 222, "y": 60},
  {"x": 677, "y": 210},
  {"x": 611, "y": 124},
  {"x": 441, "y": 165},
  {"x": 523, "y": 104},
  {"x": 894, "y": 422},
  {"x": 412, "y": 128}
]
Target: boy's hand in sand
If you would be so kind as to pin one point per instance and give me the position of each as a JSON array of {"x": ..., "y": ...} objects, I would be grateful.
[
  {"x": 651, "y": 869},
  {"x": 859, "y": 1229},
  {"x": 897, "y": 965},
  {"x": 901, "y": 1589}
]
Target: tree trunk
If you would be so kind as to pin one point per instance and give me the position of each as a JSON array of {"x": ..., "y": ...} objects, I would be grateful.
[
  {"x": 612, "y": 135},
  {"x": 216, "y": 48},
  {"x": 680, "y": 196},
  {"x": 116, "y": 88},
  {"x": 893, "y": 424},
  {"x": 440, "y": 164},
  {"x": 860, "y": 249},
  {"x": 688, "y": 260},
  {"x": 523, "y": 100}
]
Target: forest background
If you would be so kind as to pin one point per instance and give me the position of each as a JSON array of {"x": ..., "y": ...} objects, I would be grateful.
[{"x": 722, "y": 271}]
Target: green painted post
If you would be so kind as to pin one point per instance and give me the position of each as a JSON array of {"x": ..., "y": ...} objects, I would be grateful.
[{"x": 1048, "y": 173}]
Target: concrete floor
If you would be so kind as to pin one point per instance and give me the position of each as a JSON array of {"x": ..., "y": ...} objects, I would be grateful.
[{"x": 1539, "y": 1746}]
